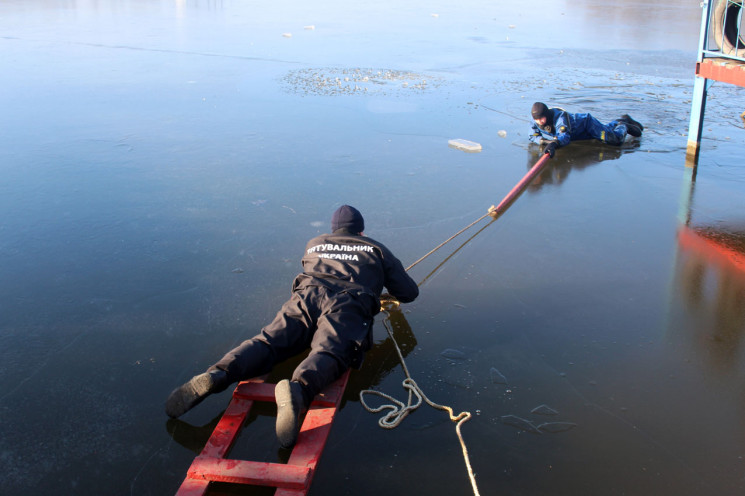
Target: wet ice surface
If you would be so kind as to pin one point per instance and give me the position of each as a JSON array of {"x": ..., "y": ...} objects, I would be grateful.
[{"x": 165, "y": 164}]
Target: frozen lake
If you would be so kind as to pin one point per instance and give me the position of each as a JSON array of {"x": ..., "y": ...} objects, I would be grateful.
[{"x": 164, "y": 162}]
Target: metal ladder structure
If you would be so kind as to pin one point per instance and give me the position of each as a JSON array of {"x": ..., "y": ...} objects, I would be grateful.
[
  {"x": 290, "y": 479},
  {"x": 721, "y": 57}
]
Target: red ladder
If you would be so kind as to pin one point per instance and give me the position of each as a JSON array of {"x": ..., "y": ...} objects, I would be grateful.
[{"x": 290, "y": 479}]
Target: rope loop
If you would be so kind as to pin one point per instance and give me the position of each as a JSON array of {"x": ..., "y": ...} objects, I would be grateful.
[{"x": 398, "y": 410}]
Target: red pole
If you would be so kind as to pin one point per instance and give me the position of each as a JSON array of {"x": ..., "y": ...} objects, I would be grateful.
[{"x": 520, "y": 187}]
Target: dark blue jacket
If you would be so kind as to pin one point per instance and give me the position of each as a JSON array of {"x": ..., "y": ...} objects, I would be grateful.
[{"x": 566, "y": 127}]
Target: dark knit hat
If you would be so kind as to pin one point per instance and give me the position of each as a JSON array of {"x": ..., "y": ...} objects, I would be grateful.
[
  {"x": 346, "y": 217},
  {"x": 539, "y": 110}
]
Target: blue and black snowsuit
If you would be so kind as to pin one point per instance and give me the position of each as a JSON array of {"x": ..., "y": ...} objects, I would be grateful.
[{"x": 564, "y": 127}]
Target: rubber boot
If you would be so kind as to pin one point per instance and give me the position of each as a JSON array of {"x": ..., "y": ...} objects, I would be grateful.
[
  {"x": 627, "y": 119},
  {"x": 190, "y": 394},
  {"x": 290, "y": 405},
  {"x": 633, "y": 130}
]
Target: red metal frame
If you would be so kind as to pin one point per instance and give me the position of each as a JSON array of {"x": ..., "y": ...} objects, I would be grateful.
[{"x": 291, "y": 479}]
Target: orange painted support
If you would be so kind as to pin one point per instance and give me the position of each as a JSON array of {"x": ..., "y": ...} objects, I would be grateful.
[
  {"x": 722, "y": 70},
  {"x": 290, "y": 479}
]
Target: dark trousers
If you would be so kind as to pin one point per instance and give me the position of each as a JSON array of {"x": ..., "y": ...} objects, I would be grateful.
[{"x": 337, "y": 327}]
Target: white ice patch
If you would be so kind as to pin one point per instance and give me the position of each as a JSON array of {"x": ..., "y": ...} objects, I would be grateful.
[{"x": 465, "y": 145}]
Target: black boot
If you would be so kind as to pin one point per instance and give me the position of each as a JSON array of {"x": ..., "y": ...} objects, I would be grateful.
[
  {"x": 633, "y": 129},
  {"x": 189, "y": 395},
  {"x": 627, "y": 118},
  {"x": 290, "y": 405}
]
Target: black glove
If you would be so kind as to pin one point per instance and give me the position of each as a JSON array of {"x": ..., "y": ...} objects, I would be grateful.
[{"x": 550, "y": 149}]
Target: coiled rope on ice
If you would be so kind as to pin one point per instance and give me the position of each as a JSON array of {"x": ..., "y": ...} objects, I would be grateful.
[{"x": 399, "y": 410}]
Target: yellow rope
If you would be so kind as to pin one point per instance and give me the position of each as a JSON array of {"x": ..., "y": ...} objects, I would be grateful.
[
  {"x": 399, "y": 410},
  {"x": 450, "y": 238}
]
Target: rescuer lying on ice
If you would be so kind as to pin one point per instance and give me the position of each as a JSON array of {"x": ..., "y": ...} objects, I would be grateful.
[
  {"x": 330, "y": 311},
  {"x": 555, "y": 127}
]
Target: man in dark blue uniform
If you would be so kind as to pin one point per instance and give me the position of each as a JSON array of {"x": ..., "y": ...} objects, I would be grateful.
[
  {"x": 555, "y": 127},
  {"x": 330, "y": 311}
]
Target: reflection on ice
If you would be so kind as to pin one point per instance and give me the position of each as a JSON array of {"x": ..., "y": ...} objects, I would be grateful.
[{"x": 711, "y": 274}]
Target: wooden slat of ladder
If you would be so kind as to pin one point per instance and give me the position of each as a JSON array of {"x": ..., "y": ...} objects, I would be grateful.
[{"x": 291, "y": 479}]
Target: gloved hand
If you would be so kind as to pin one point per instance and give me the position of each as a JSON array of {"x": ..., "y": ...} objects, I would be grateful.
[
  {"x": 388, "y": 302},
  {"x": 550, "y": 149}
]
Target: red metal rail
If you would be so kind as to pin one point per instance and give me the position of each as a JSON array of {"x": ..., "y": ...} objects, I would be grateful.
[{"x": 291, "y": 479}]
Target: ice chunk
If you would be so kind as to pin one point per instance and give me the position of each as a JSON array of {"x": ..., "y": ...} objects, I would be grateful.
[
  {"x": 310, "y": 28},
  {"x": 544, "y": 410},
  {"x": 497, "y": 377},
  {"x": 287, "y": 35},
  {"x": 553, "y": 427},
  {"x": 453, "y": 354},
  {"x": 520, "y": 423},
  {"x": 465, "y": 145},
  {"x": 502, "y": 133}
]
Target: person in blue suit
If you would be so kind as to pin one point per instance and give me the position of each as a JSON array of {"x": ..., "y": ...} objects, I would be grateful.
[{"x": 555, "y": 127}]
